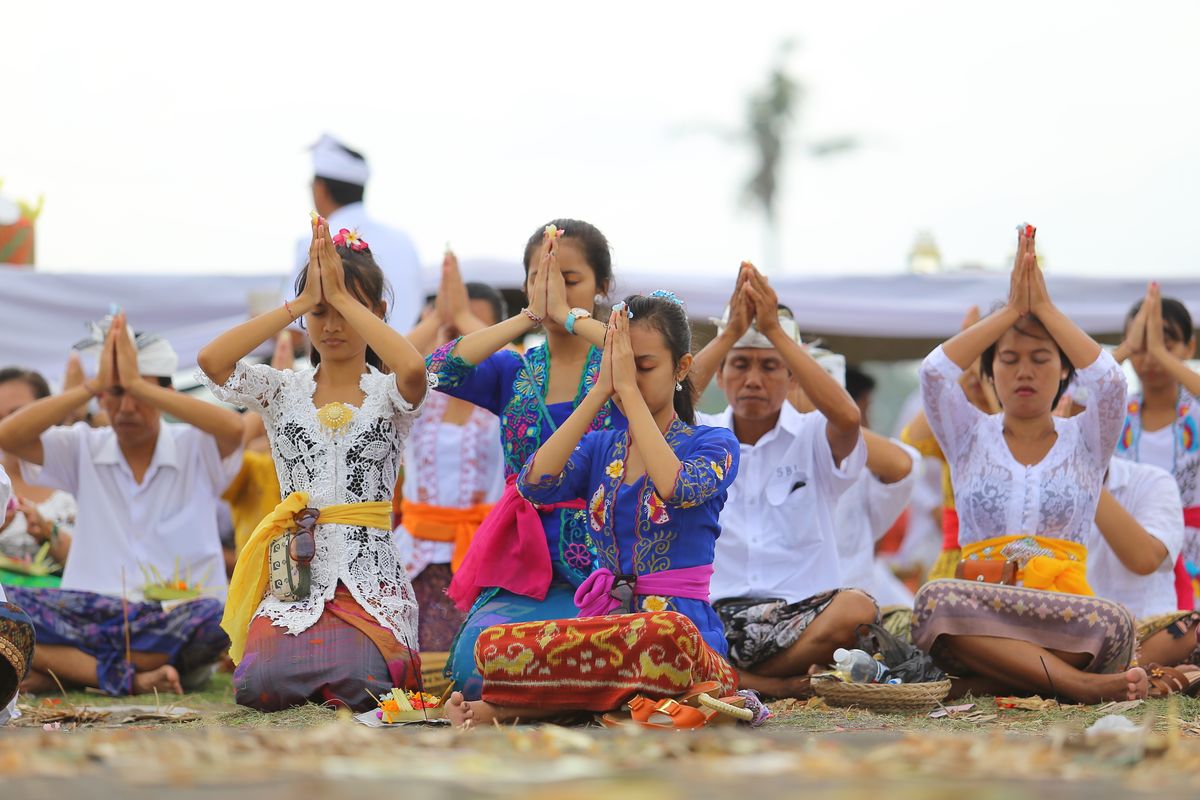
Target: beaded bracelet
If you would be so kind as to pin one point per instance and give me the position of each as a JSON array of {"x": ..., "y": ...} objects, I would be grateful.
[{"x": 532, "y": 316}]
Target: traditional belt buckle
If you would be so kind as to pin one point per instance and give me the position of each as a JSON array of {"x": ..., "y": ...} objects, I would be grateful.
[{"x": 303, "y": 546}]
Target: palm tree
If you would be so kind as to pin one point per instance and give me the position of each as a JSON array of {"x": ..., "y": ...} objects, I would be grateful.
[{"x": 771, "y": 115}]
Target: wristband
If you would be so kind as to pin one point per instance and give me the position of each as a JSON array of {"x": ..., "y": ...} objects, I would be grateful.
[
  {"x": 288, "y": 307},
  {"x": 532, "y": 316}
]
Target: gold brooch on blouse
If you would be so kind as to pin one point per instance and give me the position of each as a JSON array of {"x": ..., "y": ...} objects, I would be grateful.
[{"x": 335, "y": 416}]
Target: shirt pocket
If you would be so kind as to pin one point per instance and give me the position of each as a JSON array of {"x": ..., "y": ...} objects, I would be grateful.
[{"x": 789, "y": 487}]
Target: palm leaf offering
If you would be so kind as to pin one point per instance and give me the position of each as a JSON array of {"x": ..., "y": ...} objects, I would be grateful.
[
  {"x": 177, "y": 587},
  {"x": 39, "y": 566}
]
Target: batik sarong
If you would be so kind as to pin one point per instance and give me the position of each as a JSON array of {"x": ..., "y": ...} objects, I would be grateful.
[
  {"x": 345, "y": 658},
  {"x": 438, "y": 619},
  {"x": 1068, "y": 623},
  {"x": 596, "y": 663},
  {"x": 759, "y": 629},
  {"x": 189, "y": 634}
]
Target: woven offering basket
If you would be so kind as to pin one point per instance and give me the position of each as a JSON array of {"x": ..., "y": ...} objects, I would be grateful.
[{"x": 883, "y": 697}]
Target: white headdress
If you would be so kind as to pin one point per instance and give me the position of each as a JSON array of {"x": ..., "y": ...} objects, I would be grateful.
[
  {"x": 753, "y": 339},
  {"x": 156, "y": 358},
  {"x": 330, "y": 160}
]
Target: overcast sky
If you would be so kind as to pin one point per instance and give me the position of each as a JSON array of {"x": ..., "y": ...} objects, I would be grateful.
[{"x": 172, "y": 137}]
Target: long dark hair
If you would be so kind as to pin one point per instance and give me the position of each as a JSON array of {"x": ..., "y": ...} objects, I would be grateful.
[
  {"x": 364, "y": 280},
  {"x": 668, "y": 317},
  {"x": 987, "y": 360},
  {"x": 589, "y": 238}
]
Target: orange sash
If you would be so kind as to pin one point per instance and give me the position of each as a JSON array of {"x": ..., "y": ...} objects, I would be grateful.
[{"x": 441, "y": 524}]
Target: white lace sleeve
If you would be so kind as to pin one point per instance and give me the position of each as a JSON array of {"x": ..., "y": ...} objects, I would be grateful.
[
  {"x": 254, "y": 386},
  {"x": 378, "y": 383},
  {"x": 1104, "y": 417},
  {"x": 951, "y": 415}
]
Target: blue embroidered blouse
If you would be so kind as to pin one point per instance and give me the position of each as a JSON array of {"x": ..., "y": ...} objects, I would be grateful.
[
  {"x": 635, "y": 532},
  {"x": 514, "y": 390}
]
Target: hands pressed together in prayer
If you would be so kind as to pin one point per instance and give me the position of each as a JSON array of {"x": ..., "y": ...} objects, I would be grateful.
[
  {"x": 754, "y": 302},
  {"x": 1027, "y": 293},
  {"x": 547, "y": 288},
  {"x": 326, "y": 280}
]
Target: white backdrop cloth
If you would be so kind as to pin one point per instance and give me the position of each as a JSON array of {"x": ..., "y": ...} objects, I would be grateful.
[{"x": 42, "y": 313}]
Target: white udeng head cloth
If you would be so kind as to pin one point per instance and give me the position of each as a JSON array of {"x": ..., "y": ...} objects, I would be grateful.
[
  {"x": 330, "y": 160},
  {"x": 156, "y": 358},
  {"x": 752, "y": 338}
]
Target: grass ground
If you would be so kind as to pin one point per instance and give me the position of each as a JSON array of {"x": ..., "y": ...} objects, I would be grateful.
[{"x": 314, "y": 752}]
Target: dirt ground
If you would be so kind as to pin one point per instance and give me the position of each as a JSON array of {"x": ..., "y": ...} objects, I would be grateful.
[{"x": 994, "y": 752}]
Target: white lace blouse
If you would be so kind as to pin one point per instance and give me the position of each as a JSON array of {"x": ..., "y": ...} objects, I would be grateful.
[
  {"x": 355, "y": 463},
  {"x": 997, "y": 496}
]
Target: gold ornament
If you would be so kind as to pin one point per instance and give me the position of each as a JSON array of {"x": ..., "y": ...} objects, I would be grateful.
[{"x": 335, "y": 416}]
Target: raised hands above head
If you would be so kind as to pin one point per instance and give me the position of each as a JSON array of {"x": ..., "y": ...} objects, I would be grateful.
[
  {"x": 333, "y": 274},
  {"x": 762, "y": 298},
  {"x": 124, "y": 353}
]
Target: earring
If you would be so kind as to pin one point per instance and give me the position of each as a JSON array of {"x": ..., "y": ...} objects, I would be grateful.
[
  {"x": 678, "y": 386},
  {"x": 599, "y": 298}
]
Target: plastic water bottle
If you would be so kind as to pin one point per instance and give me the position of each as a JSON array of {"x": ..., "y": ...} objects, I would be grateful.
[{"x": 857, "y": 666}]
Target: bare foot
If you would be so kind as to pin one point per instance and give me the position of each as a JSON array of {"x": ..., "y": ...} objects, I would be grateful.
[
  {"x": 38, "y": 683},
  {"x": 458, "y": 711},
  {"x": 1137, "y": 684},
  {"x": 164, "y": 679}
]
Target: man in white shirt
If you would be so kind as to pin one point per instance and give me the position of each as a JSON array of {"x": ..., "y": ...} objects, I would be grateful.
[
  {"x": 16, "y": 635},
  {"x": 1135, "y": 541},
  {"x": 777, "y": 582},
  {"x": 339, "y": 183},
  {"x": 147, "y": 493}
]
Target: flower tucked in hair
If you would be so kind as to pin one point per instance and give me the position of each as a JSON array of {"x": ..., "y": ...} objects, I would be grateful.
[
  {"x": 350, "y": 238},
  {"x": 666, "y": 294},
  {"x": 552, "y": 232}
]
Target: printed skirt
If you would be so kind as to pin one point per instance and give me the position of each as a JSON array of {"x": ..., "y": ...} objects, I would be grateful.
[
  {"x": 596, "y": 663},
  {"x": 500, "y": 607},
  {"x": 189, "y": 633},
  {"x": 1054, "y": 620},
  {"x": 346, "y": 658}
]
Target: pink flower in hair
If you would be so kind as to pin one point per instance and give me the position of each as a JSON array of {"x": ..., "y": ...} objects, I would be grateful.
[{"x": 348, "y": 238}]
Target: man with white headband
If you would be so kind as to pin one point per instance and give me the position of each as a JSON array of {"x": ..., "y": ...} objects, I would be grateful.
[
  {"x": 339, "y": 183},
  {"x": 777, "y": 584},
  {"x": 147, "y": 493}
]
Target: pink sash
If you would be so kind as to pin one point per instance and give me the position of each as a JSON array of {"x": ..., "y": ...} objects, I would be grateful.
[
  {"x": 509, "y": 551},
  {"x": 593, "y": 598}
]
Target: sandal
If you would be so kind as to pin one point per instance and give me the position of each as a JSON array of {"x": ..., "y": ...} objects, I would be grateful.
[
  {"x": 1166, "y": 681},
  {"x": 642, "y": 707}
]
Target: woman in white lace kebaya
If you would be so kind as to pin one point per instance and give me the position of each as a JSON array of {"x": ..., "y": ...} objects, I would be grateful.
[
  {"x": 1026, "y": 486},
  {"x": 337, "y": 434}
]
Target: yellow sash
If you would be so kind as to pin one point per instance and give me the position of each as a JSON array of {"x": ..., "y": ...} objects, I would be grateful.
[
  {"x": 441, "y": 524},
  {"x": 1065, "y": 571},
  {"x": 251, "y": 574}
]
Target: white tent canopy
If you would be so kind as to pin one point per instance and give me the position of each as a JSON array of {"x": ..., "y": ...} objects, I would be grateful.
[{"x": 43, "y": 312}]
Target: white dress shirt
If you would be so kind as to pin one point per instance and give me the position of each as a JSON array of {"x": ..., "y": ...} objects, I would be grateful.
[
  {"x": 864, "y": 514},
  {"x": 1151, "y": 496},
  {"x": 777, "y": 532},
  {"x": 394, "y": 253},
  {"x": 168, "y": 521}
]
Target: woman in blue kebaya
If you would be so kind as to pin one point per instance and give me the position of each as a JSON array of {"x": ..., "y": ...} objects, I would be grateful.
[
  {"x": 525, "y": 563},
  {"x": 654, "y": 493}
]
